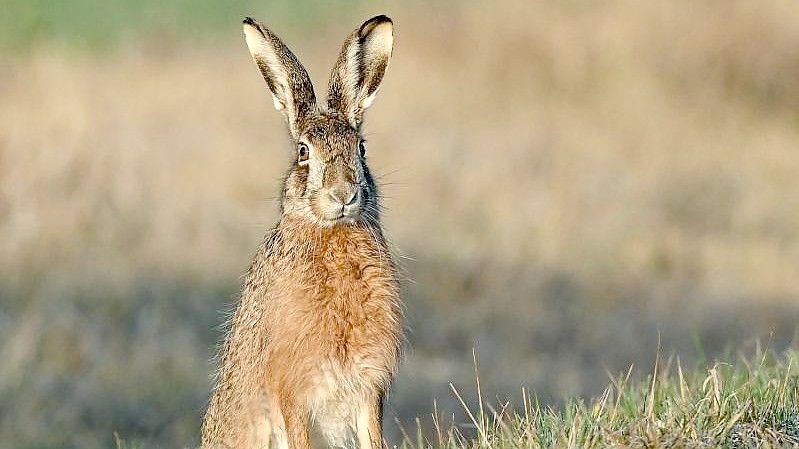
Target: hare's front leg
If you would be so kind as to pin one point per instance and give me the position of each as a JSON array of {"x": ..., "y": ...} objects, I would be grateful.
[
  {"x": 273, "y": 430},
  {"x": 295, "y": 416},
  {"x": 369, "y": 427}
]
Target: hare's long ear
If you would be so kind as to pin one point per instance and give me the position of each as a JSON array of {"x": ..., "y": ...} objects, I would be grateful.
[
  {"x": 286, "y": 77},
  {"x": 360, "y": 68}
]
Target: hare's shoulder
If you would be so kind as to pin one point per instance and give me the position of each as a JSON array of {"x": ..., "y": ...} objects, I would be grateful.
[{"x": 262, "y": 264}]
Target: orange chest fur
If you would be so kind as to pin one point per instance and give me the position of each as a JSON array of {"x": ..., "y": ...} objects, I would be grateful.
[
  {"x": 353, "y": 300},
  {"x": 344, "y": 301}
]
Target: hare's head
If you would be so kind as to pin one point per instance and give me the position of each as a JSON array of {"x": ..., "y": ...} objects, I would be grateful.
[{"x": 329, "y": 182}]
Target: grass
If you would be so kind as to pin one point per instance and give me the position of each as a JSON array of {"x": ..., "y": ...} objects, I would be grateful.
[
  {"x": 569, "y": 180},
  {"x": 753, "y": 403}
]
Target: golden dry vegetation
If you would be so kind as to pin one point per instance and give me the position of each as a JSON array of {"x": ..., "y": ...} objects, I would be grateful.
[{"x": 568, "y": 180}]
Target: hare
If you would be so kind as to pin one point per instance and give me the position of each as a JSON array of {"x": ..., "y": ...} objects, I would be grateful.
[{"x": 316, "y": 335}]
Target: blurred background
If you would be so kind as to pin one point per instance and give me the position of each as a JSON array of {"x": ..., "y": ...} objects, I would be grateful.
[{"x": 569, "y": 182}]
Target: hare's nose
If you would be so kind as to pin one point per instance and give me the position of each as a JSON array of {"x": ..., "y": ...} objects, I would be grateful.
[{"x": 345, "y": 197}]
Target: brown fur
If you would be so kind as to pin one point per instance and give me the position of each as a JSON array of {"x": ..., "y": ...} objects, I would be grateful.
[{"x": 318, "y": 327}]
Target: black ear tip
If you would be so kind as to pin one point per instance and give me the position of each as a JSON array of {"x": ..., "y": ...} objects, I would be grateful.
[
  {"x": 370, "y": 24},
  {"x": 382, "y": 18},
  {"x": 249, "y": 21}
]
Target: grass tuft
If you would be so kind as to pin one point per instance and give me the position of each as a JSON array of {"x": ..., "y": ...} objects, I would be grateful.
[{"x": 753, "y": 403}]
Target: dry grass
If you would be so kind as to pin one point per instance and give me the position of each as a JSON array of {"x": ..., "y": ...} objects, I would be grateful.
[
  {"x": 567, "y": 178},
  {"x": 752, "y": 404}
]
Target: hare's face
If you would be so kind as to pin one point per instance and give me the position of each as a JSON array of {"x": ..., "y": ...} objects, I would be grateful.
[{"x": 329, "y": 182}]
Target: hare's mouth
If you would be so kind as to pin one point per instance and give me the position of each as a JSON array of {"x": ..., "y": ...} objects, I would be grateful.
[
  {"x": 332, "y": 210},
  {"x": 332, "y": 216},
  {"x": 344, "y": 217}
]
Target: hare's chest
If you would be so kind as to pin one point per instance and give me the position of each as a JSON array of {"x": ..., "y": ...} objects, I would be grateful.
[
  {"x": 352, "y": 283},
  {"x": 353, "y": 298},
  {"x": 353, "y": 314}
]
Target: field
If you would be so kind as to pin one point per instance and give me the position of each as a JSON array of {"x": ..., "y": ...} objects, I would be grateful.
[
  {"x": 748, "y": 406},
  {"x": 570, "y": 186},
  {"x": 753, "y": 403}
]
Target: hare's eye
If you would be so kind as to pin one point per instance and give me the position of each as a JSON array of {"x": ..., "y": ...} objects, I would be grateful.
[
  {"x": 362, "y": 148},
  {"x": 302, "y": 152}
]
